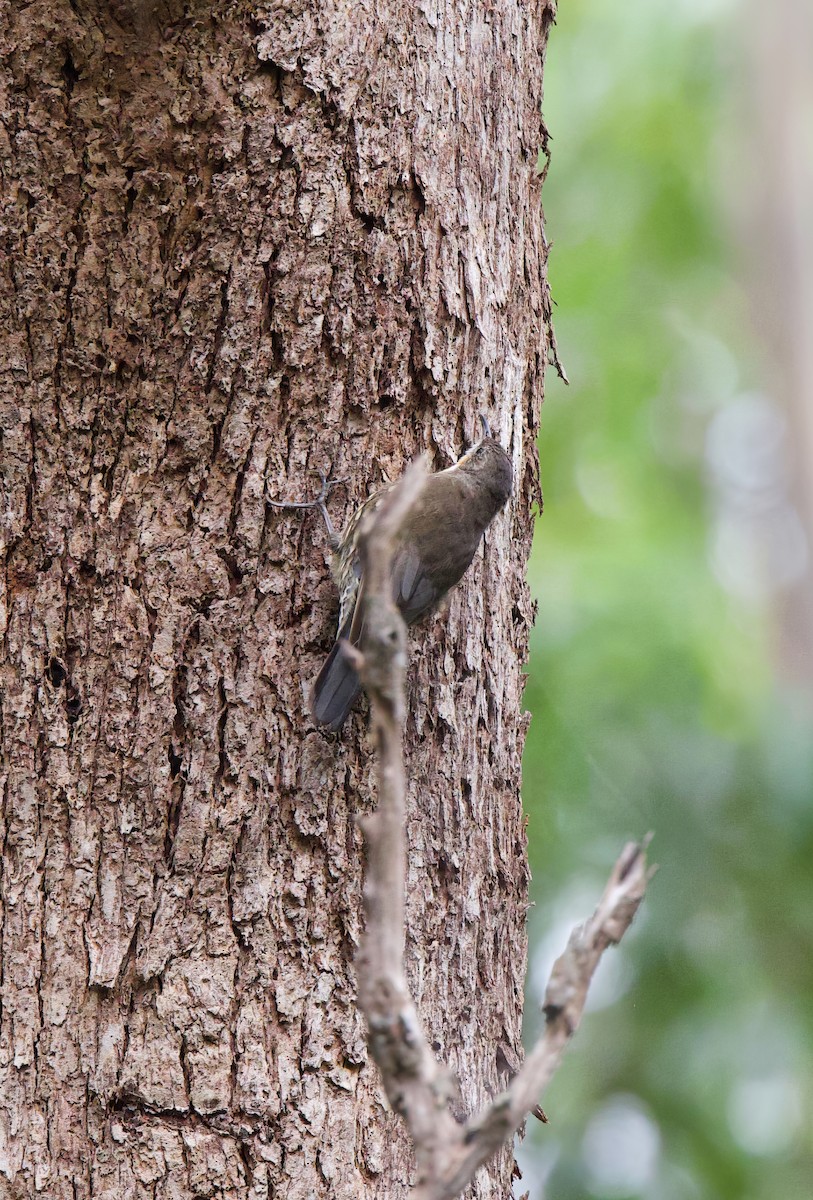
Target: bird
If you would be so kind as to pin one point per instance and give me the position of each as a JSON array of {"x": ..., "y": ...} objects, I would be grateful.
[{"x": 434, "y": 547}]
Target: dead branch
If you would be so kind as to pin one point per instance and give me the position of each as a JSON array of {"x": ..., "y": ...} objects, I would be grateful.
[{"x": 418, "y": 1087}]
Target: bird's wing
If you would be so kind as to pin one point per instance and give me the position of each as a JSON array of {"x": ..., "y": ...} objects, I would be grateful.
[{"x": 413, "y": 589}]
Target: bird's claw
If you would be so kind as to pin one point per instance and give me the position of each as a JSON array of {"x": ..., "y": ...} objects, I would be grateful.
[
  {"x": 319, "y": 502},
  {"x": 327, "y": 487}
]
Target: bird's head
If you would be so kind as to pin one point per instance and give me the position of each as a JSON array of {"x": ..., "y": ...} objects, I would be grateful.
[{"x": 489, "y": 464}]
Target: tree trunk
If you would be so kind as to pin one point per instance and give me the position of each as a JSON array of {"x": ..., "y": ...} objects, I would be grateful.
[{"x": 240, "y": 244}]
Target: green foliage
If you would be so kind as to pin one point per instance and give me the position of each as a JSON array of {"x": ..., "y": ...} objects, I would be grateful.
[{"x": 651, "y": 687}]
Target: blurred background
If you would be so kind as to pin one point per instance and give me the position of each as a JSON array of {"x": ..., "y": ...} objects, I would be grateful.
[{"x": 671, "y": 678}]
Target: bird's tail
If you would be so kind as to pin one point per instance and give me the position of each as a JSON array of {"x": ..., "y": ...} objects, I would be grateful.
[{"x": 336, "y": 687}]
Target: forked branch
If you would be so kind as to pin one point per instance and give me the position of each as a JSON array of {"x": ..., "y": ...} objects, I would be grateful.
[{"x": 417, "y": 1085}]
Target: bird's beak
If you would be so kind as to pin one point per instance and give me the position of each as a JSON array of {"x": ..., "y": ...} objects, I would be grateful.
[{"x": 475, "y": 446}]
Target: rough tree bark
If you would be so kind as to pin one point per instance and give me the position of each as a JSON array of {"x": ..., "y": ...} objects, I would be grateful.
[{"x": 240, "y": 243}]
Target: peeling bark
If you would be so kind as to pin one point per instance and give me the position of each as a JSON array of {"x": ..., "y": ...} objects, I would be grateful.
[{"x": 239, "y": 245}]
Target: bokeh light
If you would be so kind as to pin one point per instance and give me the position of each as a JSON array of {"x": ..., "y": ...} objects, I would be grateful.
[{"x": 671, "y": 676}]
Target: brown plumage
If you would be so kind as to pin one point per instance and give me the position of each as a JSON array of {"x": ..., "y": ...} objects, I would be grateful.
[{"x": 436, "y": 543}]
